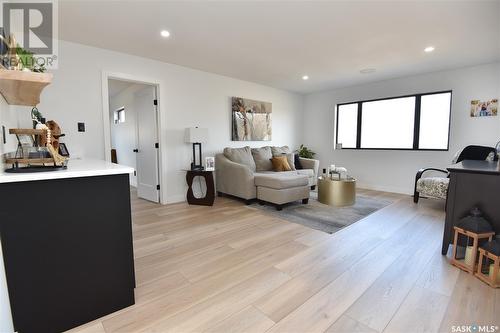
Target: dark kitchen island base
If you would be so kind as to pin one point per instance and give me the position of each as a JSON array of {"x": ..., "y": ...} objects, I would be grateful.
[{"x": 67, "y": 247}]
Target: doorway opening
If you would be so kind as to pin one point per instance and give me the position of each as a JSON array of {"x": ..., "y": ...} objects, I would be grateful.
[{"x": 133, "y": 129}]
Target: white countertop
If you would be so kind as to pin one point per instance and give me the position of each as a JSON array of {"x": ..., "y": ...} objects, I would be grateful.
[{"x": 76, "y": 168}]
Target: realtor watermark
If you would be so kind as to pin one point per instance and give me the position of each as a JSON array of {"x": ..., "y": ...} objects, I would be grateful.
[
  {"x": 474, "y": 329},
  {"x": 29, "y": 34}
]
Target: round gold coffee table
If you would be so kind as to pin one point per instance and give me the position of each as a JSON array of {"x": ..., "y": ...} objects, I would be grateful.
[{"x": 337, "y": 192}]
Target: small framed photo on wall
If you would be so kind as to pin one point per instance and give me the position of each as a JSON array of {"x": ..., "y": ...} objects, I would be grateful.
[
  {"x": 480, "y": 108},
  {"x": 209, "y": 163}
]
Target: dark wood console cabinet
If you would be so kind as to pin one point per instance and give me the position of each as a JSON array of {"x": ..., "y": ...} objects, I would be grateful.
[{"x": 472, "y": 184}]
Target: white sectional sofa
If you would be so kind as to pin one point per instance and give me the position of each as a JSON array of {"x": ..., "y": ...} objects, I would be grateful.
[{"x": 247, "y": 173}]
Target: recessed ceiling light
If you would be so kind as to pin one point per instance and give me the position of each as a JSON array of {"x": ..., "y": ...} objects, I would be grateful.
[
  {"x": 305, "y": 77},
  {"x": 429, "y": 49},
  {"x": 367, "y": 70},
  {"x": 165, "y": 33}
]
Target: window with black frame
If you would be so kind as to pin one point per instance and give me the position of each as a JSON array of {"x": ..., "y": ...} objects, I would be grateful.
[
  {"x": 119, "y": 115},
  {"x": 413, "y": 122}
]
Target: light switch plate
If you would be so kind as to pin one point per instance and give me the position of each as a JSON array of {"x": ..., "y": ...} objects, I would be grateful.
[{"x": 81, "y": 127}]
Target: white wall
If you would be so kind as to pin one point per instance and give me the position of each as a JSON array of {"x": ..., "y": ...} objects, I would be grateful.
[
  {"x": 188, "y": 98},
  {"x": 395, "y": 170},
  {"x": 9, "y": 119},
  {"x": 124, "y": 135}
]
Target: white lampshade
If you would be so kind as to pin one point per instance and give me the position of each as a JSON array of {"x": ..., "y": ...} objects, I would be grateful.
[{"x": 195, "y": 135}]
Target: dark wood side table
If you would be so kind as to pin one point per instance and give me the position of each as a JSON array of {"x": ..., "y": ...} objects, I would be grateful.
[{"x": 209, "y": 198}]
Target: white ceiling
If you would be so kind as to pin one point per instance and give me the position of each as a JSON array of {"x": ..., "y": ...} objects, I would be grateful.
[
  {"x": 117, "y": 86},
  {"x": 275, "y": 43}
]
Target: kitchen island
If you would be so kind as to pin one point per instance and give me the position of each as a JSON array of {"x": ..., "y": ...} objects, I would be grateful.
[{"x": 67, "y": 244}]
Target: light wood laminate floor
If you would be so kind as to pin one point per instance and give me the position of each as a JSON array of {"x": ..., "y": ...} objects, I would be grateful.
[{"x": 232, "y": 268}]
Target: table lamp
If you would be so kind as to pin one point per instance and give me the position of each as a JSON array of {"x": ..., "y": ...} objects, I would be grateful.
[{"x": 196, "y": 136}]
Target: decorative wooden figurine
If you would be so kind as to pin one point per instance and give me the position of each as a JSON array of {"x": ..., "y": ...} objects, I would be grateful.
[
  {"x": 488, "y": 269},
  {"x": 55, "y": 134},
  {"x": 58, "y": 159},
  {"x": 36, "y": 149},
  {"x": 470, "y": 233}
]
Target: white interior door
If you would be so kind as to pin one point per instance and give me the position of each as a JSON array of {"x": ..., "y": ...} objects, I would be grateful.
[{"x": 147, "y": 151}]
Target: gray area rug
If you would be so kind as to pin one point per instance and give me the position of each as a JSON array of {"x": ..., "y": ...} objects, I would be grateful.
[{"x": 326, "y": 218}]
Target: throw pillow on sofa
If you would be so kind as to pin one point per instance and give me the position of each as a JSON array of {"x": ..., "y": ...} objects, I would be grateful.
[
  {"x": 278, "y": 151},
  {"x": 290, "y": 157},
  {"x": 280, "y": 163},
  {"x": 262, "y": 158},
  {"x": 240, "y": 155},
  {"x": 285, "y": 150}
]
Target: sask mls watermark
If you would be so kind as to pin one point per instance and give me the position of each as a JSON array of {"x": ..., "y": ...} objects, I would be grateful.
[
  {"x": 29, "y": 35},
  {"x": 474, "y": 329}
]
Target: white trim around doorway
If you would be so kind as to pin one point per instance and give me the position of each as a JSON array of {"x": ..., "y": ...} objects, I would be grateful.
[{"x": 106, "y": 75}]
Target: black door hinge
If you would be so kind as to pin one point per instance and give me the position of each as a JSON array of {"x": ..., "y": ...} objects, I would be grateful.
[
  {"x": 157, "y": 145},
  {"x": 158, "y": 187},
  {"x": 135, "y": 173},
  {"x": 155, "y": 102}
]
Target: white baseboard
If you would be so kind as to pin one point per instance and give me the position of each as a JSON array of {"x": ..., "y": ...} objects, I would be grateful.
[
  {"x": 175, "y": 199},
  {"x": 384, "y": 188}
]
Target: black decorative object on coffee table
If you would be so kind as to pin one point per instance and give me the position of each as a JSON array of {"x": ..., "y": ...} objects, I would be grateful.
[{"x": 209, "y": 198}]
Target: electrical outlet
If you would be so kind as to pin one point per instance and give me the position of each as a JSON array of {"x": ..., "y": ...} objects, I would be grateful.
[{"x": 81, "y": 127}]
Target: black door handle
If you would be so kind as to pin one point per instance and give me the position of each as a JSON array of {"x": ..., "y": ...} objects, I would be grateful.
[{"x": 136, "y": 150}]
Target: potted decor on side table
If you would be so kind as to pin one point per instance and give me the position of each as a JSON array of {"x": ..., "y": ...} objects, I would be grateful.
[
  {"x": 305, "y": 152},
  {"x": 302, "y": 152}
]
